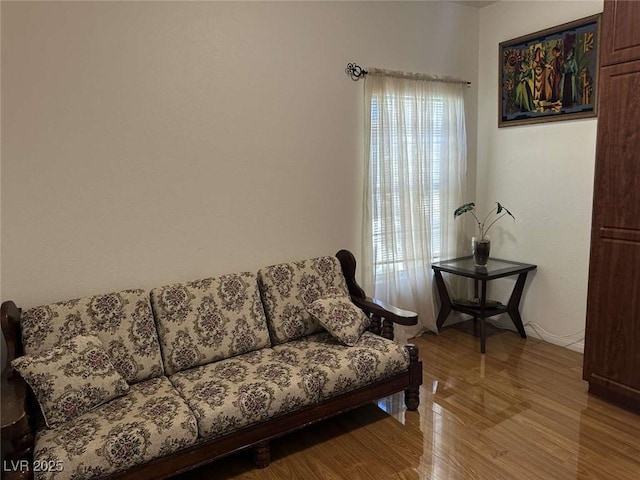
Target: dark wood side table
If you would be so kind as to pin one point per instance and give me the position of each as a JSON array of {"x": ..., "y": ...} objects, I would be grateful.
[
  {"x": 16, "y": 436},
  {"x": 495, "y": 268}
]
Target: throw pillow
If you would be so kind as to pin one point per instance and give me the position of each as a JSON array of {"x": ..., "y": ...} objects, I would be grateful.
[
  {"x": 341, "y": 318},
  {"x": 71, "y": 378}
]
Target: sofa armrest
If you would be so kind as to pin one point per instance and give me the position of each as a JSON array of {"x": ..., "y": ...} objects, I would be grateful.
[
  {"x": 382, "y": 315},
  {"x": 384, "y": 310},
  {"x": 10, "y": 324}
]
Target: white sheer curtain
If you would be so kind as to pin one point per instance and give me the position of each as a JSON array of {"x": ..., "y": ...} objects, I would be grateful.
[{"x": 415, "y": 170}]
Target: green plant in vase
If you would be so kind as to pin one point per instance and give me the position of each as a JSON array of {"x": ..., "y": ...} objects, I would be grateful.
[{"x": 482, "y": 244}]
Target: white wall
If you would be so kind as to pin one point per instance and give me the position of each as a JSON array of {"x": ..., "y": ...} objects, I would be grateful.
[
  {"x": 544, "y": 174},
  {"x": 145, "y": 143}
]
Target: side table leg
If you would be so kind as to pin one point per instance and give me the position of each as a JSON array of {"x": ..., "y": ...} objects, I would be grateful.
[
  {"x": 483, "y": 304},
  {"x": 475, "y": 318},
  {"x": 445, "y": 300},
  {"x": 514, "y": 303}
]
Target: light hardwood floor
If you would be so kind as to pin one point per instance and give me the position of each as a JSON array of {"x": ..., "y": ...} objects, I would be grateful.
[{"x": 519, "y": 412}]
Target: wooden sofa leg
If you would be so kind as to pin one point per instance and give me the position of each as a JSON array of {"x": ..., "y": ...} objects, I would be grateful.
[
  {"x": 262, "y": 454},
  {"x": 412, "y": 394},
  {"x": 412, "y": 399}
]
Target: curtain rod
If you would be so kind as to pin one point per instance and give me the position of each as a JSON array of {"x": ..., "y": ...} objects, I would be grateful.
[{"x": 356, "y": 72}]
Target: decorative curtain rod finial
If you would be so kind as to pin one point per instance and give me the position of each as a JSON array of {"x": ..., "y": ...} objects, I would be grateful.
[{"x": 355, "y": 71}]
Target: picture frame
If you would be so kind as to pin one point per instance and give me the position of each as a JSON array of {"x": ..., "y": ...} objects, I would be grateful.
[{"x": 550, "y": 75}]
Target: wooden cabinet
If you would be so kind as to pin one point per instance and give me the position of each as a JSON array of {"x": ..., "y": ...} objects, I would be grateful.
[
  {"x": 612, "y": 344},
  {"x": 620, "y": 32}
]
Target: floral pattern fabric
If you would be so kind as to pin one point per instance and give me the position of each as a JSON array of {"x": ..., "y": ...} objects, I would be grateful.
[
  {"x": 71, "y": 379},
  {"x": 207, "y": 320},
  {"x": 215, "y": 336},
  {"x": 122, "y": 321},
  {"x": 335, "y": 368},
  {"x": 341, "y": 318},
  {"x": 151, "y": 421},
  {"x": 240, "y": 391},
  {"x": 289, "y": 288},
  {"x": 255, "y": 387}
]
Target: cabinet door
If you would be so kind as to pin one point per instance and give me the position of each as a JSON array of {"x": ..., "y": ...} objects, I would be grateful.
[
  {"x": 612, "y": 346},
  {"x": 620, "y": 32}
]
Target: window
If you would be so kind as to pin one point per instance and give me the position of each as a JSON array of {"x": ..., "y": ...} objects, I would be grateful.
[
  {"x": 412, "y": 179},
  {"x": 415, "y": 168}
]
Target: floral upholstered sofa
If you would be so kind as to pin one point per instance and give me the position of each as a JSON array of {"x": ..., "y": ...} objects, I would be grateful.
[{"x": 143, "y": 385}]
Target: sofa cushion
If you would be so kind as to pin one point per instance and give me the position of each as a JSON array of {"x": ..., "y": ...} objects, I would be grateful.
[
  {"x": 289, "y": 288},
  {"x": 71, "y": 379},
  {"x": 122, "y": 321},
  {"x": 335, "y": 368},
  {"x": 241, "y": 391},
  {"x": 341, "y": 318},
  {"x": 151, "y": 421},
  {"x": 207, "y": 320}
]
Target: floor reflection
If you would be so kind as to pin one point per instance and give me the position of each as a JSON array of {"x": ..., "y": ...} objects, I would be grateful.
[
  {"x": 517, "y": 412},
  {"x": 394, "y": 406}
]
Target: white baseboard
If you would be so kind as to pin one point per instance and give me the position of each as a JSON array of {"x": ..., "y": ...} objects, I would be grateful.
[{"x": 576, "y": 346}]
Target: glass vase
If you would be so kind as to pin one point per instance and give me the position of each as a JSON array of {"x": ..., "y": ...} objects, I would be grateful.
[{"x": 480, "y": 248}]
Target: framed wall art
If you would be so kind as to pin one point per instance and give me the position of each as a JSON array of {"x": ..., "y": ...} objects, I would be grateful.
[{"x": 550, "y": 75}]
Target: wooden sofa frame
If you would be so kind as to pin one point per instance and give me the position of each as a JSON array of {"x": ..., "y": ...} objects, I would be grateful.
[{"x": 258, "y": 436}]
